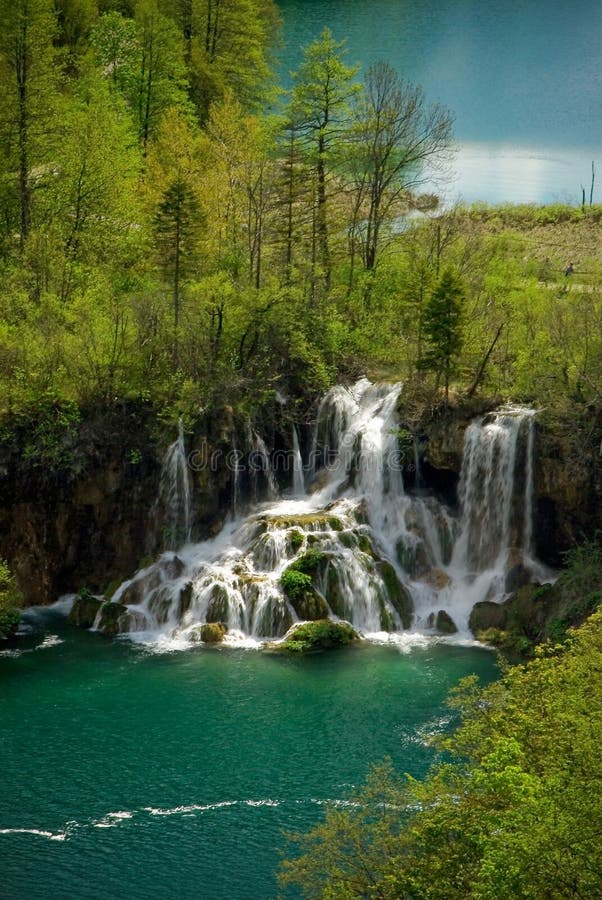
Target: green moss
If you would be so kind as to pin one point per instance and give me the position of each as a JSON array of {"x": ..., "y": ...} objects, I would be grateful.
[
  {"x": 113, "y": 619},
  {"x": 304, "y": 598},
  {"x": 348, "y": 539},
  {"x": 444, "y": 623},
  {"x": 365, "y": 545},
  {"x": 397, "y": 595},
  {"x": 309, "y": 563},
  {"x": 316, "y": 636},
  {"x": 85, "y": 609},
  {"x": 213, "y": 632},
  {"x": 295, "y": 584},
  {"x": 295, "y": 539},
  {"x": 112, "y": 587}
]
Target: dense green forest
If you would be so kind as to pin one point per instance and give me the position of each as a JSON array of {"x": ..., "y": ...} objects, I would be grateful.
[{"x": 175, "y": 227}]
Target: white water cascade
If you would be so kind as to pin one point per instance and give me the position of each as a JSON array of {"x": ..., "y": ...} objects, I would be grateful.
[
  {"x": 175, "y": 494},
  {"x": 383, "y": 559}
]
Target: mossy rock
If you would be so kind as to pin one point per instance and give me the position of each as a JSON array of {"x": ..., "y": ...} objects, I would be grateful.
[
  {"x": 308, "y": 522},
  {"x": 84, "y": 610},
  {"x": 488, "y": 616},
  {"x": 444, "y": 623},
  {"x": 397, "y": 595},
  {"x": 365, "y": 545},
  {"x": 112, "y": 587},
  {"x": 333, "y": 592},
  {"x": 348, "y": 539},
  {"x": 218, "y": 608},
  {"x": 412, "y": 558},
  {"x": 387, "y": 622},
  {"x": 312, "y": 637},
  {"x": 114, "y": 619},
  {"x": 303, "y": 597},
  {"x": 185, "y": 599},
  {"x": 310, "y": 563},
  {"x": 213, "y": 632},
  {"x": 294, "y": 540}
]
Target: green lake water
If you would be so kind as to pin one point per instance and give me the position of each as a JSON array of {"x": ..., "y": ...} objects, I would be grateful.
[
  {"x": 523, "y": 78},
  {"x": 143, "y": 775}
]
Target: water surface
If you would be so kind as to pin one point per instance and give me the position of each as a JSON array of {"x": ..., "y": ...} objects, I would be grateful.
[
  {"x": 145, "y": 775},
  {"x": 523, "y": 78}
]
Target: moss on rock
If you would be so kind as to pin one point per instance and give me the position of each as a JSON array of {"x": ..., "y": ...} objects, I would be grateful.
[
  {"x": 444, "y": 623},
  {"x": 397, "y": 595},
  {"x": 85, "y": 609},
  {"x": 213, "y": 632},
  {"x": 303, "y": 597},
  {"x": 311, "y": 637}
]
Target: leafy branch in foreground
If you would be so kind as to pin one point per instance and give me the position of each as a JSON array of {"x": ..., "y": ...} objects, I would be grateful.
[{"x": 517, "y": 813}]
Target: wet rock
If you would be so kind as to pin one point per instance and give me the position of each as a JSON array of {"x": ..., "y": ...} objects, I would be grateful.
[
  {"x": 84, "y": 610},
  {"x": 397, "y": 595},
  {"x": 319, "y": 482},
  {"x": 444, "y": 623},
  {"x": 185, "y": 599},
  {"x": 516, "y": 578},
  {"x": 312, "y": 637},
  {"x": 437, "y": 579},
  {"x": 412, "y": 557},
  {"x": 487, "y": 615},
  {"x": 218, "y": 608},
  {"x": 213, "y": 632},
  {"x": 114, "y": 619}
]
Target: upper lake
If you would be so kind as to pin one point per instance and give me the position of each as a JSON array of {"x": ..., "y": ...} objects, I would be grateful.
[{"x": 522, "y": 77}]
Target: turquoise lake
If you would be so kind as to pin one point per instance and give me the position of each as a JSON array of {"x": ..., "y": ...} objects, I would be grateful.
[
  {"x": 523, "y": 78},
  {"x": 144, "y": 775}
]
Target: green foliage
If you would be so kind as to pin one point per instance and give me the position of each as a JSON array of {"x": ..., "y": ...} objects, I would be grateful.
[
  {"x": 443, "y": 327},
  {"x": 315, "y": 636},
  {"x": 516, "y": 813},
  {"x": 10, "y": 601},
  {"x": 160, "y": 238},
  {"x": 295, "y": 584},
  {"x": 309, "y": 563}
]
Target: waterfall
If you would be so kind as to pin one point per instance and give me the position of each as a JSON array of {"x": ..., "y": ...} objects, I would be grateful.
[
  {"x": 259, "y": 461},
  {"x": 175, "y": 493},
  {"x": 236, "y": 462},
  {"x": 376, "y": 556},
  {"x": 298, "y": 477},
  {"x": 495, "y": 514}
]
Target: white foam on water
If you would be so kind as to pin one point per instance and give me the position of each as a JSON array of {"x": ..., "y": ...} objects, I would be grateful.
[{"x": 50, "y": 835}]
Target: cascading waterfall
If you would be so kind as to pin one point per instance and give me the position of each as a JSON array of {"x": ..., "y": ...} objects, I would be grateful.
[
  {"x": 298, "y": 476},
  {"x": 260, "y": 463},
  {"x": 381, "y": 558},
  {"x": 175, "y": 493}
]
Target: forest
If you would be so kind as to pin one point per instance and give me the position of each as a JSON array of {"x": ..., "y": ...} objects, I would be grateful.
[{"x": 178, "y": 229}]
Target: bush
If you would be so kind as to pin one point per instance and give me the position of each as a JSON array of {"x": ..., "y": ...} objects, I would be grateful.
[{"x": 10, "y": 601}]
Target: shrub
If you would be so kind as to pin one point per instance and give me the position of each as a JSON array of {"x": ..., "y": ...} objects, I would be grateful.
[{"x": 10, "y": 601}]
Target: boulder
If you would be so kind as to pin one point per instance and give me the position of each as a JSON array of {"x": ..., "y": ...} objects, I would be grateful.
[
  {"x": 516, "y": 578},
  {"x": 114, "y": 619},
  {"x": 85, "y": 609},
  {"x": 311, "y": 637},
  {"x": 396, "y": 593},
  {"x": 213, "y": 632},
  {"x": 444, "y": 623}
]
